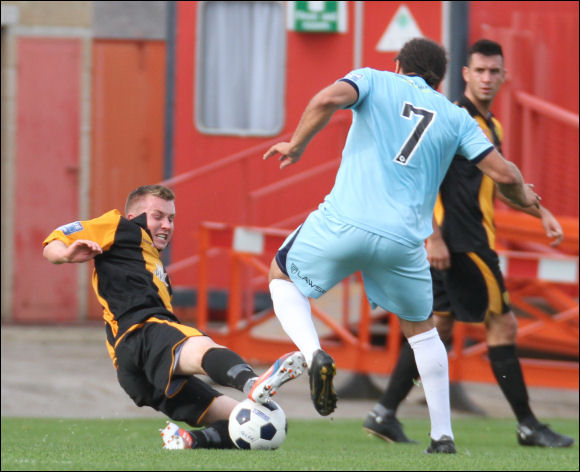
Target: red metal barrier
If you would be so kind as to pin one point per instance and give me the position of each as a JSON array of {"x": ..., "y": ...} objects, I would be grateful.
[{"x": 548, "y": 316}]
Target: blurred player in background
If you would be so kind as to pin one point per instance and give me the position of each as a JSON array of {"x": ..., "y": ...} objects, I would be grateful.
[
  {"x": 376, "y": 218},
  {"x": 467, "y": 281},
  {"x": 157, "y": 357}
]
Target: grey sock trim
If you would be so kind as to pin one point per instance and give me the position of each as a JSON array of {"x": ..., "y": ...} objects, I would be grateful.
[
  {"x": 248, "y": 385},
  {"x": 381, "y": 411},
  {"x": 235, "y": 370}
]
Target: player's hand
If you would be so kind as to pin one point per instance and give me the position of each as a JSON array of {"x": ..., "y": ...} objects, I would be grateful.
[
  {"x": 288, "y": 155},
  {"x": 438, "y": 254},
  {"x": 552, "y": 227},
  {"x": 82, "y": 250}
]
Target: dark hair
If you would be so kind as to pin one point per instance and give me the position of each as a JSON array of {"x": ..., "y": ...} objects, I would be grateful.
[
  {"x": 424, "y": 57},
  {"x": 157, "y": 190},
  {"x": 485, "y": 47}
]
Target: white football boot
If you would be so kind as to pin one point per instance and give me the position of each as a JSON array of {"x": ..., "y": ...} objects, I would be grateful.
[{"x": 288, "y": 367}]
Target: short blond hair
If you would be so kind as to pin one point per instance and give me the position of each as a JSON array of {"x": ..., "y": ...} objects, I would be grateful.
[{"x": 156, "y": 190}]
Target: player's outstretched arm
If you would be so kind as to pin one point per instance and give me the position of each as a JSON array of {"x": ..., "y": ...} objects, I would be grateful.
[
  {"x": 315, "y": 117},
  {"x": 82, "y": 250}
]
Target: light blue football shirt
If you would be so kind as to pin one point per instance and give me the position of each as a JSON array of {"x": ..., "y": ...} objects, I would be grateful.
[{"x": 400, "y": 144}]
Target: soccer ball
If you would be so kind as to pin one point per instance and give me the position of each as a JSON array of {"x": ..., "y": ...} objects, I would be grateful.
[{"x": 257, "y": 426}]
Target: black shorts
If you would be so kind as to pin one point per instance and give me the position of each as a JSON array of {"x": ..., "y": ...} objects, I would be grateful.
[
  {"x": 146, "y": 358},
  {"x": 471, "y": 288}
]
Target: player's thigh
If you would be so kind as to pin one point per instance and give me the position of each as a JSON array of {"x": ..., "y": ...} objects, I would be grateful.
[
  {"x": 154, "y": 349},
  {"x": 191, "y": 400},
  {"x": 133, "y": 380},
  {"x": 398, "y": 280},
  {"x": 321, "y": 253}
]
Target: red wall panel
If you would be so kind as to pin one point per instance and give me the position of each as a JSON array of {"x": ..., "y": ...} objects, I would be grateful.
[
  {"x": 552, "y": 27},
  {"x": 312, "y": 62},
  {"x": 127, "y": 103},
  {"x": 379, "y": 15},
  {"x": 47, "y": 149}
]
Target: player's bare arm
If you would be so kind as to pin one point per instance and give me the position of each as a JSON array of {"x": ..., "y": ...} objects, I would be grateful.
[
  {"x": 509, "y": 180},
  {"x": 315, "y": 117},
  {"x": 82, "y": 250}
]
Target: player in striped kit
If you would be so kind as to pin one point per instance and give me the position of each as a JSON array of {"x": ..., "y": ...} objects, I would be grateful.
[{"x": 156, "y": 356}]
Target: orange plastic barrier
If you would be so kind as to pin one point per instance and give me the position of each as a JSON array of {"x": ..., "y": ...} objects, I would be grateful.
[{"x": 369, "y": 341}]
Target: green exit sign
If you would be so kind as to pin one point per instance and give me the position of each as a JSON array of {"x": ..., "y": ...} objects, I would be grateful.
[{"x": 317, "y": 17}]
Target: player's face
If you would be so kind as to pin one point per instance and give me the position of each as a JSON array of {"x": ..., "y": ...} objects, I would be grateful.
[
  {"x": 160, "y": 216},
  {"x": 483, "y": 76}
]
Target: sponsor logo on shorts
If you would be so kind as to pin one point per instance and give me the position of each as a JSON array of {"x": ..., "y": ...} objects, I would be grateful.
[{"x": 296, "y": 271}]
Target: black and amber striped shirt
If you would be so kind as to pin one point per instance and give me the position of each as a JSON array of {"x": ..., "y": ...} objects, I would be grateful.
[
  {"x": 465, "y": 204},
  {"x": 129, "y": 279}
]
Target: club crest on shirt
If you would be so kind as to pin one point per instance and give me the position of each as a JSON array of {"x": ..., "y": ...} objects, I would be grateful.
[{"x": 71, "y": 228}]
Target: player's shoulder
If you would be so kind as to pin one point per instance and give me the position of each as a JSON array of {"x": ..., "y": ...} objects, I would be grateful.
[
  {"x": 111, "y": 217},
  {"x": 367, "y": 73}
]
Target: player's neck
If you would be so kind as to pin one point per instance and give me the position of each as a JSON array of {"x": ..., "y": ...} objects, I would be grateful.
[{"x": 484, "y": 107}]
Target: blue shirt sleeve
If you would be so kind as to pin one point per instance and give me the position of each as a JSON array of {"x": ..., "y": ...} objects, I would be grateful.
[{"x": 360, "y": 80}]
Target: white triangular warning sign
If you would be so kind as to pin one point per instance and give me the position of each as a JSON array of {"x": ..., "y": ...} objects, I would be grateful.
[{"x": 401, "y": 29}]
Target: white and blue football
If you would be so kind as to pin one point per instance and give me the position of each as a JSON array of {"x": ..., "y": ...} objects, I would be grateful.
[{"x": 257, "y": 426}]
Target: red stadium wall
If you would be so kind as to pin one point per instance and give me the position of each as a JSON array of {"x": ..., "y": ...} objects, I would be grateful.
[
  {"x": 127, "y": 103},
  {"x": 313, "y": 61},
  {"x": 47, "y": 149},
  {"x": 127, "y": 99}
]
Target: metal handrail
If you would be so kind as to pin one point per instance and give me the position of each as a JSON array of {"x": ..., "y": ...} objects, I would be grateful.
[
  {"x": 232, "y": 158},
  {"x": 547, "y": 108}
]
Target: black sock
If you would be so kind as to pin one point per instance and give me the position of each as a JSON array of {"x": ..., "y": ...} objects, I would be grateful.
[
  {"x": 226, "y": 368},
  {"x": 215, "y": 436},
  {"x": 401, "y": 380},
  {"x": 508, "y": 373}
]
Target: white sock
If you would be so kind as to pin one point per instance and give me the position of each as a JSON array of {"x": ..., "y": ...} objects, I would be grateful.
[
  {"x": 294, "y": 313},
  {"x": 431, "y": 359}
]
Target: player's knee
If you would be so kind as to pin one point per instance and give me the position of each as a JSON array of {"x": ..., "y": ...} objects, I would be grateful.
[
  {"x": 510, "y": 327},
  {"x": 444, "y": 326},
  {"x": 192, "y": 352},
  {"x": 502, "y": 329}
]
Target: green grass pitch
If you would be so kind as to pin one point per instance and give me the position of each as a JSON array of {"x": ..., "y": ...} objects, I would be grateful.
[{"x": 322, "y": 444}]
